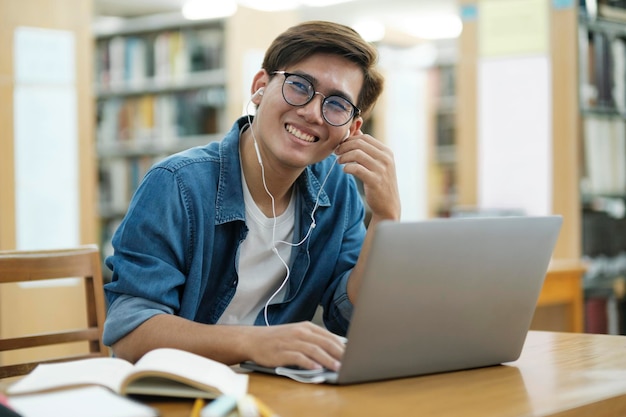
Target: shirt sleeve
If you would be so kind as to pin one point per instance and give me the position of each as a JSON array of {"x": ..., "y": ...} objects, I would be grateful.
[
  {"x": 337, "y": 316},
  {"x": 126, "y": 314},
  {"x": 149, "y": 261}
]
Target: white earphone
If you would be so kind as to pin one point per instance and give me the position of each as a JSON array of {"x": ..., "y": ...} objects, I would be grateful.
[
  {"x": 311, "y": 227},
  {"x": 259, "y": 91}
]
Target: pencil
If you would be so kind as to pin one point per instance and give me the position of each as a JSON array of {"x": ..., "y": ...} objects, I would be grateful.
[
  {"x": 197, "y": 407},
  {"x": 264, "y": 410}
]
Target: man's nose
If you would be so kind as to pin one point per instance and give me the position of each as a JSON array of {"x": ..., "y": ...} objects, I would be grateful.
[{"x": 312, "y": 111}]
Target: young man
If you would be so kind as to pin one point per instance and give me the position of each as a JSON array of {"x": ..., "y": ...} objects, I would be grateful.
[{"x": 228, "y": 249}]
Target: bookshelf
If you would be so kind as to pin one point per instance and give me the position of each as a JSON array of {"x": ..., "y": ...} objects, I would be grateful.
[
  {"x": 160, "y": 88},
  {"x": 164, "y": 84},
  {"x": 602, "y": 101}
]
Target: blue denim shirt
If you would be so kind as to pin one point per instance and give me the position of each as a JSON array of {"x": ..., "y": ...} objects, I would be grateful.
[{"x": 176, "y": 251}]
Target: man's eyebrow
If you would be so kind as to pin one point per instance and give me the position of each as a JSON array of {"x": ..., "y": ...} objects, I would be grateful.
[{"x": 315, "y": 82}]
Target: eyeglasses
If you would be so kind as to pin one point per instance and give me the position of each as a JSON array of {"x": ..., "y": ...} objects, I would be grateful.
[{"x": 298, "y": 91}]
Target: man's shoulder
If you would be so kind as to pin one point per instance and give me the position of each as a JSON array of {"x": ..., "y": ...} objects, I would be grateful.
[
  {"x": 206, "y": 154},
  {"x": 211, "y": 153}
]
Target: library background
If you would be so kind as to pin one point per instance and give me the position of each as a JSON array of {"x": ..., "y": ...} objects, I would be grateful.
[{"x": 519, "y": 108}]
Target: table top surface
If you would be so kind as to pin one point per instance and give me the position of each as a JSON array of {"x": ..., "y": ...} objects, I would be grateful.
[{"x": 557, "y": 374}]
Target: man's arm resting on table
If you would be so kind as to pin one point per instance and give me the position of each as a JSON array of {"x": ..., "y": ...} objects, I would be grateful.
[{"x": 303, "y": 344}]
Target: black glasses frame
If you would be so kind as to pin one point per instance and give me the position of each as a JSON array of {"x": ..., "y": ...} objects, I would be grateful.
[{"x": 355, "y": 110}]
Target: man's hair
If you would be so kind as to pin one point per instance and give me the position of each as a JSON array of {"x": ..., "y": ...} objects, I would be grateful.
[{"x": 301, "y": 41}]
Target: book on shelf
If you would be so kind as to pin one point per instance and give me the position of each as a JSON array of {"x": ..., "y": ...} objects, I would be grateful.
[
  {"x": 136, "y": 60},
  {"x": 596, "y": 319},
  {"x": 602, "y": 70},
  {"x": 605, "y": 315},
  {"x": 160, "y": 119},
  {"x": 612, "y": 10},
  {"x": 115, "y": 184},
  {"x": 618, "y": 85},
  {"x": 161, "y": 372},
  {"x": 605, "y": 154}
]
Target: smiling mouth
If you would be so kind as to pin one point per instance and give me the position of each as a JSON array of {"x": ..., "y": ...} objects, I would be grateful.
[{"x": 300, "y": 134}]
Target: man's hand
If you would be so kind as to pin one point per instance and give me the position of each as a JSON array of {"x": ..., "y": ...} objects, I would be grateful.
[
  {"x": 373, "y": 163},
  {"x": 301, "y": 344}
]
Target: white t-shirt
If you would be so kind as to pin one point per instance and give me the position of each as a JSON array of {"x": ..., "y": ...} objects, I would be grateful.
[{"x": 261, "y": 271}]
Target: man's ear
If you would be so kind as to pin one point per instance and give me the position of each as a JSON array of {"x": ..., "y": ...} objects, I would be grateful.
[
  {"x": 355, "y": 127},
  {"x": 259, "y": 82}
]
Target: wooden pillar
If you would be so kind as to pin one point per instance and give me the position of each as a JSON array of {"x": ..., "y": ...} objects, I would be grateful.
[
  {"x": 39, "y": 309},
  {"x": 562, "y": 54}
]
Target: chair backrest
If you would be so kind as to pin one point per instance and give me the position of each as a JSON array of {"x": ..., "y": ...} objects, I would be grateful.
[{"x": 28, "y": 266}]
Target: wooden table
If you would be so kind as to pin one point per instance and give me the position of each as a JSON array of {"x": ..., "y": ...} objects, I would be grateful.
[{"x": 558, "y": 374}]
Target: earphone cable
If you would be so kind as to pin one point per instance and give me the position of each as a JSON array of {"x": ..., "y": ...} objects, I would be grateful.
[{"x": 274, "y": 241}]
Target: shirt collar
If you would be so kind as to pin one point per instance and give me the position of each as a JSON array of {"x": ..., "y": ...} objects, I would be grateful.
[{"x": 230, "y": 194}]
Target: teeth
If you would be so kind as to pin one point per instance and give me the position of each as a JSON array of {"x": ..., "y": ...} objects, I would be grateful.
[{"x": 299, "y": 134}]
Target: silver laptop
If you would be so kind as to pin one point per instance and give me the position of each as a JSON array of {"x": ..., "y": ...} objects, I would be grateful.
[{"x": 443, "y": 295}]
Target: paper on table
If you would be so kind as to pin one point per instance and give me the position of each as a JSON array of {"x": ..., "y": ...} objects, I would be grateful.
[{"x": 92, "y": 401}]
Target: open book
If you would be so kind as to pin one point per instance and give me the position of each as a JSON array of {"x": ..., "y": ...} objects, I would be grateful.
[{"x": 161, "y": 372}]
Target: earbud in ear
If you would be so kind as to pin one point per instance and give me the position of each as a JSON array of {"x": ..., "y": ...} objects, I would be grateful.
[{"x": 259, "y": 92}]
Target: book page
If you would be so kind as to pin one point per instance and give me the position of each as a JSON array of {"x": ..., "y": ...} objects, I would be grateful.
[
  {"x": 107, "y": 372},
  {"x": 189, "y": 368},
  {"x": 164, "y": 387}
]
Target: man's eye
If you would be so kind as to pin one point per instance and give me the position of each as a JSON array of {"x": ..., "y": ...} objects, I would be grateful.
[
  {"x": 300, "y": 86},
  {"x": 338, "y": 104}
]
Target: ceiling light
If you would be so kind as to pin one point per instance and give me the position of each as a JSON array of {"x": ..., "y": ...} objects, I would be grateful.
[
  {"x": 371, "y": 30},
  {"x": 202, "y": 9},
  {"x": 322, "y": 3},
  {"x": 437, "y": 26},
  {"x": 270, "y": 5},
  {"x": 281, "y": 5}
]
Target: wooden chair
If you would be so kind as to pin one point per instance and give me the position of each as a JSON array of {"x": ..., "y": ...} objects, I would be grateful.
[{"x": 28, "y": 266}]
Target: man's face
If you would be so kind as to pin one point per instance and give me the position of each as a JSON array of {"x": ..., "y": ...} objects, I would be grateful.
[{"x": 297, "y": 136}]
